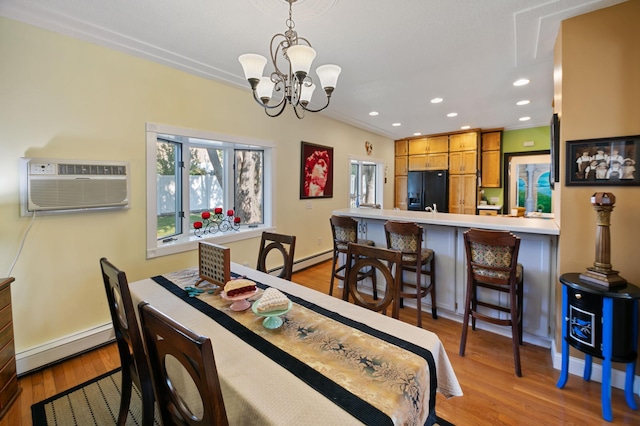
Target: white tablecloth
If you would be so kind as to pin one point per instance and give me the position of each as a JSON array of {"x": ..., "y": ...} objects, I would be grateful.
[{"x": 258, "y": 391}]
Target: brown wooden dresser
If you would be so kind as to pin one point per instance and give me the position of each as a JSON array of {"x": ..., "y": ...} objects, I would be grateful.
[{"x": 9, "y": 389}]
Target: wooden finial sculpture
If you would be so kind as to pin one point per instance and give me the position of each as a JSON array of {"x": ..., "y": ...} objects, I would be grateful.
[{"x": 601, "y": 272}]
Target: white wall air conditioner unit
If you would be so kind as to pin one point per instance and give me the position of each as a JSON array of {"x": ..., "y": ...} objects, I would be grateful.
[{"x": 59, "y": 186}]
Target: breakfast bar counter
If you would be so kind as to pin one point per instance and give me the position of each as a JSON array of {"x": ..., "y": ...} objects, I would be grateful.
[{"x": 444, "y": 234}]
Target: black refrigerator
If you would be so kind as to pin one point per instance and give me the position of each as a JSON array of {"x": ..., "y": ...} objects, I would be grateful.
[{"x": 428, "y": 188}]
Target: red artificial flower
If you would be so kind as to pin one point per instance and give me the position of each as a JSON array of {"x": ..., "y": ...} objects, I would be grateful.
[
  {"x": 197, "y": 225},
  {"x": 218, "y": 210},
  {"x": 236, "y": 219},
  {"x": 206, "y": 215},
  {"x": 229, "y": 212}
]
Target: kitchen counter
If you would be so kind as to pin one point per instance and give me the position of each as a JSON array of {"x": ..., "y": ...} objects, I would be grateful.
[
  {"x": 443, "y": 232},
  {"x": 499, "y": 223}
]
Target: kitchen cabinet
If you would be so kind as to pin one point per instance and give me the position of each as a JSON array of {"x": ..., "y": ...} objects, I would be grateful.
[
  {"x": 429, "y": 162},
  {"x": 401, "y": 170},
  {"x": 491, "y": 159},
  {"x": 430, "y": 145},
  {"x": 401, "y": 201},
  {"x": 402, "y": 147},
  {"x": 463, "y": 191},
  {"x": 463, "y": 142},
  {"x": 402, "y": 166},
  {"x": 463, "y": 162},
  {"x": 431, "y": 153}
]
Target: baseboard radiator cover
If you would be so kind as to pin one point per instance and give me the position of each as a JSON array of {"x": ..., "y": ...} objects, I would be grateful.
[{"x": 65, "y": 347}]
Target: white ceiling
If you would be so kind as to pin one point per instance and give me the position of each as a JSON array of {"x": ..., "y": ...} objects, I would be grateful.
[{"x": 395, "y": 55}]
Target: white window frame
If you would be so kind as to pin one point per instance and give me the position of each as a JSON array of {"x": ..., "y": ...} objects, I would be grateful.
[
  {"x": 380, "y": 171},
  {"x": 187, "y": 241}
]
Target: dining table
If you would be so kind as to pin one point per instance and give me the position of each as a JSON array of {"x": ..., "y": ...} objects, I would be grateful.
[{"x": 325, "y": 361}]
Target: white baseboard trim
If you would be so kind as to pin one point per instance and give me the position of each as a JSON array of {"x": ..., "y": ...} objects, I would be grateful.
[
  {"x": 301, "y": 264},
  {"x": 65, "y": 347},
  {"x": 576, "y": 367}
]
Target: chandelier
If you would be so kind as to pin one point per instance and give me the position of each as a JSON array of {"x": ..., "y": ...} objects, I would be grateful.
[{"x": 295, "y": 86}]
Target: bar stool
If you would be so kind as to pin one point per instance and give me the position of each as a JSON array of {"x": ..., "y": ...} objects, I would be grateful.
[
  {"x": 345, "y": 231},
  {"x": 492, "y": 263},
  {"x": 407, "y": 238}
]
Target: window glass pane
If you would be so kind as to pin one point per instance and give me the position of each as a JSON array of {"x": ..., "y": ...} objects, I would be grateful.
[
  {"x": 249, "y": 186},
  {"x": 368, "y": 184},
  {"x": 206, "y": 181},
  {"x": 168, "y": 189},
  {"x": 353, "y": 185}
]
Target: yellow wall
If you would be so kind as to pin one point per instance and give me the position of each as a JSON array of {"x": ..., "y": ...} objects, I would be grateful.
[
  {"x": 596, "y": 95},
  {"x": 65, "y": 98}
]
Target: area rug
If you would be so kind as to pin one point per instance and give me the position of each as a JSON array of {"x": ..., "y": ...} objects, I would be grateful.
[{"x": 95, "y": 402}]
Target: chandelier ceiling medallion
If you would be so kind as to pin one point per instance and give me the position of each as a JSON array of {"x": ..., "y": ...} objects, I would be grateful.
[{"x": 295, "y": 85}]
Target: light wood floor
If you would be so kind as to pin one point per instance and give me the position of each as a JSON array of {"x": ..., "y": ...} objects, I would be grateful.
[{"x": 493, "y": 395}]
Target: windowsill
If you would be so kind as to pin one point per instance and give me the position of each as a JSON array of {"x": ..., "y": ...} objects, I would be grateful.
[{"x": 191, "y": 243}]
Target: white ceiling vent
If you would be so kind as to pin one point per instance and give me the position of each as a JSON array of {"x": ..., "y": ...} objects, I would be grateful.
[{"x": 56, "y": 186}]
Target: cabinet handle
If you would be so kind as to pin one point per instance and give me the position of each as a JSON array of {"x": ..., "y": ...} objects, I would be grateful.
[{"x": 578, "y": 296}]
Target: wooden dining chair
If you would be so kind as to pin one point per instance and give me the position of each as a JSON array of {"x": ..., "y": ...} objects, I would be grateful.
[
  {"x": 133, "y": 360},
  {"x": 285, "y": 244},
  {"x": 492, "y": 263},
  {"x": 363, "y": 259},
  {"x": 345, "y": 230},
  {"x": 406, "y": 237},
  {"x": 171, "y": 345}
]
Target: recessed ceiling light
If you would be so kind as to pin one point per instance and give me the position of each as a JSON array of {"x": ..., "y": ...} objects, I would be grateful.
[
  {"x": 523, "y": 102},
  {"x": 397, "y": 124},
  {"x": 374, "y": 113},
  {"x": 436, "y": 100},
  {"x": 521, "y": 82},
  {"x": 452, "y": 114},
  {"x": 417, "y": 134},
  {"x": 524, "y": 118},
  {"x": 465, "y": 127}
]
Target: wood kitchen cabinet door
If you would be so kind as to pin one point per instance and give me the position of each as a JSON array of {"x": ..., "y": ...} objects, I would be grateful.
[
  {"x": 491, "y": 159},
  {"x": 401, "y": 193},
  {"x": 463, "y": 141},
  {"x": 462, "y": 194},
  {"x": 402, "y": 166},
  {"x": 462, "y": 162},
  {"x": 491, "y": 169}
]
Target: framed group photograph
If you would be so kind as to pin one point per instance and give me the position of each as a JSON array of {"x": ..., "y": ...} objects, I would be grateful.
[
  {"x": 604, "y": 161},
  {"x": 316, "y": 171}
]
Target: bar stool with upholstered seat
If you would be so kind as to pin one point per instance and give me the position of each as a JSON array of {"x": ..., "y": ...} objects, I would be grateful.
[
  {"x": 407, "y": 238},
  {"x": 345, "y": 231},
  {"x": 492, "y": 263}
]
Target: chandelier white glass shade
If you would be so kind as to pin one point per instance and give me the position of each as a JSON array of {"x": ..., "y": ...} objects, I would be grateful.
[{"x": 295, "y": 86}]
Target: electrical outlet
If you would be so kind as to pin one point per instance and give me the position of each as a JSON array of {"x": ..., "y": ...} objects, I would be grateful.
[
  {"x": 528, "y": 143},
  {"x": 308, "y": 205},
  {"x": 494, "y": 199},
  {"x": 319, "y": 241}
]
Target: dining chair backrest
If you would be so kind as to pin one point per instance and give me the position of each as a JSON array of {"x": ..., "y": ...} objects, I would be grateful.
[
  {"x": 492, "y": 256},
  {"x": 133, "y": 359},
  {"x": 176, "y": 349},
  {"x": 387, "y": 263},
  {"x": 271, "y": 241}
]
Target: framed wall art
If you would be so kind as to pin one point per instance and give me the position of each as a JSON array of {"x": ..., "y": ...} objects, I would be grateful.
[
  {"x": 316, "y": 171},
  {"x": 604, "y": 161},
  {"x": 527, "y": 182}
]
